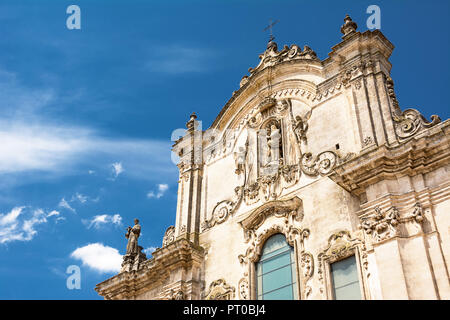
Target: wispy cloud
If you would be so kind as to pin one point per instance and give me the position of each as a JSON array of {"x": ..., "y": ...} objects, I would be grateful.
[
  {"x": 79, "y": 197},
  {"x": 102, "y": 220},
  {"x": 177, "y": 59},
  {"x": 21, "y": 222},
  {"x": 64, "y": 204},
  {"x": 162, "y": 188},
  {"x": 99, "y": 257},
  {"x": 117, "y": 169},
  {"x": 36, "y": 146},
  {"x": 148, "y": 251}
]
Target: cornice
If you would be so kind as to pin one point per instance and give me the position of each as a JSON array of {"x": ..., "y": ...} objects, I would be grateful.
[
  {"x": 420, "y": 154},
  {"x": 125, "y": 285}
]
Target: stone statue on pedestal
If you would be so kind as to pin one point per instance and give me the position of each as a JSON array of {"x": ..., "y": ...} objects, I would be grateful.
[{"x": 134, "y": 255}]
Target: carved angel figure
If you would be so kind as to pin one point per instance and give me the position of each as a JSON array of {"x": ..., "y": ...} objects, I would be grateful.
[
  {"x": 300, "y": 126},
  {"x": 239, "y": 158}
]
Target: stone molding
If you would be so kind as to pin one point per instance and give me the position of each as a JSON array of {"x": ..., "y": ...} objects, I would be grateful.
[
  {"x": 421, "y": 154},
  {"x": 179, "y": 255}
]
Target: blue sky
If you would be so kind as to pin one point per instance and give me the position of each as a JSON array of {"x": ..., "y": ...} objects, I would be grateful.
[{"x": 86, "y": 115}]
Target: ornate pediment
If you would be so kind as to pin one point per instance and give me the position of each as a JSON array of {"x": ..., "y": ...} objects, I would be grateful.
[
  {"x": 280, "y": 208},
  {"x": 272, "y": 56}
]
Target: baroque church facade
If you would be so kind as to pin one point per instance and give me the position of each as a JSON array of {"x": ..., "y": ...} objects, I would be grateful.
[{"x": 311, "y": 183}]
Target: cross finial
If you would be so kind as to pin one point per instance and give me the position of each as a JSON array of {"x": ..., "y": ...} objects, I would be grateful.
[{"x": 269, "y": 27}]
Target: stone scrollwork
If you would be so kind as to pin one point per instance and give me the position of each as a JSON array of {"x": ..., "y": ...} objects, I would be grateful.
[
  {"x": 322, "y": 164},
  {"x": 224, "y": 209},
  {"x": 220, "y": 290},
  {"x": 169, "y": 236},
  {"x": 220, "y": 213},
  {"x": 410, "y": 122}
]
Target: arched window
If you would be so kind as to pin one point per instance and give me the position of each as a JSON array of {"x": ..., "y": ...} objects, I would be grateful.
[{"x": 275, "y": 271}]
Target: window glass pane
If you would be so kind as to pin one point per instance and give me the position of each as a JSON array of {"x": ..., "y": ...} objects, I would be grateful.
[
  {"x": 276, "y": 262},
  {"x": 275, "y": 242},
  {"x": 268, "y": 255},
  {"x": 349, "y": 292},
  {"x": 274, "y": 275},
  {"x": 277, "y": 279},
  {"x": 345, "y": 279},
  {"x": 280, "y": 294}
]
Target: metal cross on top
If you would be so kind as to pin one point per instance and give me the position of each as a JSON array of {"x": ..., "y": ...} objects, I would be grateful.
[{"x": 269, "y": 27}]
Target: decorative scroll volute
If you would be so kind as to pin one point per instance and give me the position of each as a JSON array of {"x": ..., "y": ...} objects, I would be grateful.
[{"x": 410, "y": 122}]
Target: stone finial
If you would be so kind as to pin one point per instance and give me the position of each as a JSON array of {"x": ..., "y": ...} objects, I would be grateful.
[
  {"x": 349, "y": 26},
  {"x": 191, "y": 122}
]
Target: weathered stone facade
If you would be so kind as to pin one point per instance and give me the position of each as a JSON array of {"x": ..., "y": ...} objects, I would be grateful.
[{"x": 352, "y": 174}]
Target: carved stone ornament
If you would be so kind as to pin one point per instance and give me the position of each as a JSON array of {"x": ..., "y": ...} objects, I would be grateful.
[
  {"x": 300, "y": 126},
  {"x": 272, "y": 56},
  {"x": 349, "y": 26},
  {"x": 220, "y": 290},
  {"x": 322, "y": 164},
  {"x": 176, "y": 295},
  {"x": 169, "y": 236},
  {"x": 291, "y": 209},
  {"x": 243, "y": 289},
  {"x": 257, "y": 239},
  {"x": 381, "y": 225},
  {"x": 410, "y": 122},
  {"x": 220, "y": 213},
  {"x": 391, "y": 93},
  {"x": 307, "y": 269},
  {"x": 340, "y": 245}
]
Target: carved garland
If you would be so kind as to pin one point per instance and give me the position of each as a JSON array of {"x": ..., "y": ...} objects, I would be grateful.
[{"x": 383, "y": 225}]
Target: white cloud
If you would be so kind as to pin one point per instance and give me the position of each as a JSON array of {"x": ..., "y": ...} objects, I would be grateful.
[
  {"x": 20, "y": 223},
  {"x": 102, "y": 258},
  {"x": 148, "y": 251},
  {"x": 64, "y": 204},
  {"x": 80, "y": 197},
  {"x": 102, "y": 220},
  {"x": 162, "y": 188},
  {"x": 35, "y": 146},
  {"x": 53, "y": 213},
  {"x": 44, "y": 148},
  {"x": 117, "y": 168}
]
